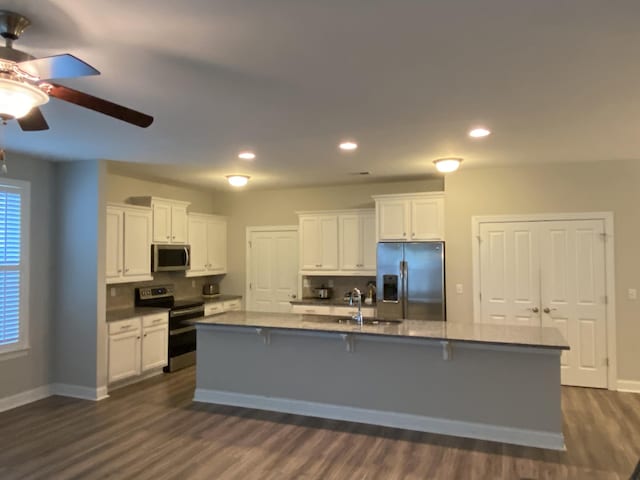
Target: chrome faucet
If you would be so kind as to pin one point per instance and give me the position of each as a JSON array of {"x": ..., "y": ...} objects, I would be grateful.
[{"x": 358, "y": 316}]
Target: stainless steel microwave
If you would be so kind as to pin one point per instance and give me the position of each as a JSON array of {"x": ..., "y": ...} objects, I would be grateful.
[{"x": 170, "y": 258}]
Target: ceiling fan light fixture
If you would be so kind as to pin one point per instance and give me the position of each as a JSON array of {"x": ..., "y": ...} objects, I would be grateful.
[
  {"x": 18, "y": 98},
  {"x": 447, "y": 165},
  {"x": 238, "y": 180}
]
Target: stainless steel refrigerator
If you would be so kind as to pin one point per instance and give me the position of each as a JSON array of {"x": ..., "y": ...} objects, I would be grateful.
[{"x": 410, "y": 281}]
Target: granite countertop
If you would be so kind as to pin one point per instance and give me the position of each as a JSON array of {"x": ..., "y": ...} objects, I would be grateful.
[
  {"x": 130, "y": 312},
  {"x": 514, "y": 335},
  {"x": 334, "y": 302},
  {"x": 219, "y": 298}
]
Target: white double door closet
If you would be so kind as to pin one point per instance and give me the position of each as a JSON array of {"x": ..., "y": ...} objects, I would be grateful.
[{"x": 550, "y": 273}]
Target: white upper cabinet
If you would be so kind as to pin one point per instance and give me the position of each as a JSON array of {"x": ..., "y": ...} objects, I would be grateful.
[
  {"x": 318, "y": 242},
  {"x": 410, "y": 217},
  {"x": 128, "y": 244},
  {"x": 357, "y": 242},
  {"x": 207, "y": 236},
  {"x": 169, "y": 219},
  {"x": 341, "y": 242}
]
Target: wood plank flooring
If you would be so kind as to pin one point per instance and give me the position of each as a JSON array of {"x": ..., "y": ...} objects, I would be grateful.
[{"x": 153, "y": 430}]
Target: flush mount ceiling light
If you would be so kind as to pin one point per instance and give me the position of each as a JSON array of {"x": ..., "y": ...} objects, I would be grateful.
[
  {"x": 18, "y": 98},
  {"x": 447, "y": 165},
  {"x": 238, "y": 180},
  {"x": 247, "y": 155},
  {"x": 479, "y": 132},
  {"x": 348, "y": 146}
]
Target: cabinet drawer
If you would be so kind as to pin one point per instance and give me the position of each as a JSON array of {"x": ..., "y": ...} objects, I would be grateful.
[
  {"x": 155, "y": 320},
  {"x": 232, "y": 305},
  {"x": 367, "y": 312},
  {"x": 122, "y": 326},
  {"x": 213, "y": 308},
  {"x": 311, "y": 309}
]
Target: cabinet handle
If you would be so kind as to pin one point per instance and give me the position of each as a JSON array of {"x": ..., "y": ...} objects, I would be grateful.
[
  {"x": 119, "y": 270},
  {"x": 138, "y": 337},
  {"x": 126, "y": 270},
  {"x": 404, "y": 234},
  {"x": 548, "y": 310},
  {"x": 167, "y": 237},
  {"x": 173, "y": 238},
  {"x": 144, "y": 335},
  {"x": 413, "y": 234},
  {"x": 310, "y": 311},
  {"x": 319, "y": 265}
]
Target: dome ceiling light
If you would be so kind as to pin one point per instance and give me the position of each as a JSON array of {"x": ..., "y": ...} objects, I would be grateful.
[
  {"x": 238, "y": 180},
  {"x": 447, "y": 165}
]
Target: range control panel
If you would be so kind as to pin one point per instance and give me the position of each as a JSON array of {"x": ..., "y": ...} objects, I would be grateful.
[{"x": 145, "y": 293}]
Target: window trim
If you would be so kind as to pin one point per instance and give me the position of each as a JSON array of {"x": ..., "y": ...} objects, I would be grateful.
[{"x": 21, "y": 347}]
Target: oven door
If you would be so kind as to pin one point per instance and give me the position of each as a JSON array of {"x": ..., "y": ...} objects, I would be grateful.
[{"x": 170, "y": 258}]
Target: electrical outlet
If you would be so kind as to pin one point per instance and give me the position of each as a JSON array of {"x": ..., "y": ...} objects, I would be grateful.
[
  {"x": 306, "y": 283},
  {"x": 459, "y": 289},
  {"x": 330, "y": 283},
  {"x": 632, "y": 294},
  {"x": 193, "y": 284},
  {"x": 113, "y": 291}
]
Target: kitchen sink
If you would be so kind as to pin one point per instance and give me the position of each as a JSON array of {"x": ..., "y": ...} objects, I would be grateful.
[{"x": 368, "y": 321}]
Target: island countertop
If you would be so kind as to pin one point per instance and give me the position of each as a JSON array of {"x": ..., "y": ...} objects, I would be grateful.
[{"x": 513, "y": 335}]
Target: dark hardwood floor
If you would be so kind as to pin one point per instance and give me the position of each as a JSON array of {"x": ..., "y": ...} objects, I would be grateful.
[{"x": 153, "y": 430}]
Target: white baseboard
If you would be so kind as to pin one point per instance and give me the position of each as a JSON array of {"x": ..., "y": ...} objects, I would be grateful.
[
  {"x": 22, "y": 398},
  {"x": 629, "y": 386},
  {"x": 496, "y": 433},
  {"x": 78, "y": 391}
]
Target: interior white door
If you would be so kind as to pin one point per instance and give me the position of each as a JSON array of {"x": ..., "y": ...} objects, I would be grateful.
[
  {"x": 573, "y": 296},
  {"x": 273, "y": 270},
  {"x": 510, "y": 273},
  {"x": 550, "y": 273}
]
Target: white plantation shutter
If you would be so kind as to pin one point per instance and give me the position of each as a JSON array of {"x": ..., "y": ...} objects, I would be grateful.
[{"x": 13, "y": 325}]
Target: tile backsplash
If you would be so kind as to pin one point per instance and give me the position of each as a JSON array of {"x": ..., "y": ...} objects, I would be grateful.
[
  {"x": 341, "y": 285},
  {"x": 124, "y": 293}
]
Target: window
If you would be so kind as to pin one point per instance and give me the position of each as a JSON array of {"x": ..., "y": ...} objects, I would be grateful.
[{"x": 14, "y": 252}]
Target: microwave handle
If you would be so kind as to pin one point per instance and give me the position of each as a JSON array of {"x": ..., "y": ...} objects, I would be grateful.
[{"x": 186, "y": 252}]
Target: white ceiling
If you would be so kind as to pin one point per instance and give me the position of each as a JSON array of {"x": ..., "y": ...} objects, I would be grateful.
[{"x": 556, "y": 80}]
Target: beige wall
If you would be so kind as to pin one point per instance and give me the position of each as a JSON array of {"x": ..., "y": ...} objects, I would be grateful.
[
  {"x": 584, "y": 187},
  {"x": 278, "y": 207},
  {"x": 120, "y": 188}
]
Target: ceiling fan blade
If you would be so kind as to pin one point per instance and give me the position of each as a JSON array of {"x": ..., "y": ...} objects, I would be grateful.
[
  {"x": 58, "y": 66},
  {"x": 33, "y": 121},
  {"x": 97, "y": 104}
]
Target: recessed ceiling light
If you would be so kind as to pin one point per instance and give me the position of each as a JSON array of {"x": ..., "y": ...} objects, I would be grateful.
[
  {"x": 348, "y": 146},
  {"x": 447, "y": 165},
  {"x": 479, "y": 132},
  {"x": 247, "y": 155},
  {"x": 238, "y": 180}
]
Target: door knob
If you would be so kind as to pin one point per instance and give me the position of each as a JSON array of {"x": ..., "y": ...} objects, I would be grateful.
[
  {"x": 534, "y": 309},
  {"x": 548, "y": 310}
]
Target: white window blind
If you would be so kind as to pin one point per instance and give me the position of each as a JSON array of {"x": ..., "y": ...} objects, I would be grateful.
[{"x": 13, "y": 333}]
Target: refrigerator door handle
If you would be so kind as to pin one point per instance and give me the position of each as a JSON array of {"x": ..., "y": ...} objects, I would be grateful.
[{"x": 405, "y": 288}]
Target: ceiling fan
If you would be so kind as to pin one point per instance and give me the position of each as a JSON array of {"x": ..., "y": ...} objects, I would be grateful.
[{"x": 25, "y": 82}]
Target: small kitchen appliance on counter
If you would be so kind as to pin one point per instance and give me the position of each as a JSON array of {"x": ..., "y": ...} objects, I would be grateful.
[
  {"x": 323, "y": 292},
  {"x": 182, "y": 330},
  {"x": 210, "y": 290}
]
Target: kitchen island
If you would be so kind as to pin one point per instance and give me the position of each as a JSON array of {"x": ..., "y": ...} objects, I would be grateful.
[{"x": 489, "y": 382}]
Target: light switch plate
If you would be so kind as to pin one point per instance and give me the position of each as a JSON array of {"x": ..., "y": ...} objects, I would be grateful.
[
  {"x": 632, "y": 294},
  {"x": 112, "y": 291},
  {"x": 459, "y": 289},
  {"x": 193, "y": 284}
]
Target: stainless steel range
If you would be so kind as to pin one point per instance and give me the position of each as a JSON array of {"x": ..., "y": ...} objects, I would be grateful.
[{"x": 182, "y": 315}]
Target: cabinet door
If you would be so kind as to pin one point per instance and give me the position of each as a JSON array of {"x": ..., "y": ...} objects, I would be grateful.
[
  {"x": 427, "y": 215},
  {"x": 311, "y": 309},
  {"x": 178, "y": 224},
  {"x": 161, "y": 222},
  {"x": 393, "y": 219},
  {"x": 155, "y": 347},
  {"x": 350, "y": 242},
  {"x": 124, "y": 355},
  {"x": 232, "y": 305},
  {"x": 368, "y": 241},
  {"x": 310, "y": 255},
  {"x": 217, "y": 246},
  {"x": 198, "y": 243},
  {"x": 329, "y": 242},
  {"x": 114, "y": 243},
  {"x": 137, "y": 243}
]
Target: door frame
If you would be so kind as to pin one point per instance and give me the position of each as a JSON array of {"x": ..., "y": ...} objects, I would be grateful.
[
  {"x": 248, "y": 232},
  {"x": 607, "y": 218}
]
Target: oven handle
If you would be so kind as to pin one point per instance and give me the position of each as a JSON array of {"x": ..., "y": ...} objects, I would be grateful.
[
  {"x": 187, "y": 311},
  {"x": 178, "y": 331}
]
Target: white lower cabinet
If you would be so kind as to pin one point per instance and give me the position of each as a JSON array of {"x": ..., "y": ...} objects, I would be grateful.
[
  {"x": 137, "y": 345},
  {"x": 336, "y": 310},
  {"x": 214, "y": 308}
]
